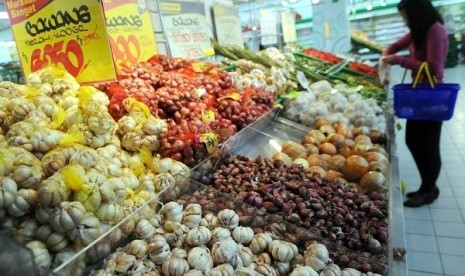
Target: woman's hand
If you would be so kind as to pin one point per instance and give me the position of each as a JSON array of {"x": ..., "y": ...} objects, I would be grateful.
[{"x": 389, "y": 59}]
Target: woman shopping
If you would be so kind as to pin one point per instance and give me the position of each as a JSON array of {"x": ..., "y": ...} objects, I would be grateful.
[{"x": 427, "y": 41}]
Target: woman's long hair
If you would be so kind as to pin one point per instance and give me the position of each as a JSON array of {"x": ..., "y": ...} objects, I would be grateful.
[{"x": 421, "y": 14}]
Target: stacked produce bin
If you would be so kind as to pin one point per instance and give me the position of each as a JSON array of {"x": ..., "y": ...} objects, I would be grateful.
[{"x": 214, "y": 181}]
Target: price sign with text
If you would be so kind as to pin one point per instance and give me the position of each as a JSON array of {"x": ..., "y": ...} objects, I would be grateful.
[
  {"x": 186, "y": 29},
  {"x": 228, "y": 25},
  {"x": 132, "y": 38},
  {"x": 67, "y": 34}
]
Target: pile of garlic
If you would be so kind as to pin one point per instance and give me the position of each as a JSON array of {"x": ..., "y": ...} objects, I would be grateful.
[
  {"x": 183, "y": 241},
  {"x": 65, "y": 177}
]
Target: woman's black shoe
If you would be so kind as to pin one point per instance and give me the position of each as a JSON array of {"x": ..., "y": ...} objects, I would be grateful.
[
  {"x": 422, "y": 199},
  {"x": 412, "y": 194}
]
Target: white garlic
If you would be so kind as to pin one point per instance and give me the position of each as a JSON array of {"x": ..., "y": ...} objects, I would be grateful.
[
  {"x": 67, "y": 215},
  {"x": 243, "y": 235},
  {"x": 144, "y": 229},
  {"x": 175, "y": 267},
  {"x": 159, "y": 250},
  {"x": 260, "y": 242},
  {"x": 41, "y": 257},
  {"x": 172, "y": 211},
  {"x": 199, "y": 258},
  {"x": 210, "y": 221},
  {"x": 222, "y": 270},
  {"x": 228, "y": 218},
  {"x": 137, "y": 248},
  {"x": 198, "y": 236},
  {"x": 316, "y": 256},
  {"x": 303, "y": 271},
  {"x": 86, "y": 231},
  {"x": 225, "y": 251},
  {"x": 192, "y": 215}
]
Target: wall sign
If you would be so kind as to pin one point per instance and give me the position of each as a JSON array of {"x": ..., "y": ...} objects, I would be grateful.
[
  {"x": 331, "y": 29},
  {"x": 69, "y": 35},
  {"x": 228, "y": 25},
  {"x": 186, "y": 29},
  {"x": 132, "y": 38},
  {"x": 268, "y": 27},
  {"x": 288, "y": 27}
]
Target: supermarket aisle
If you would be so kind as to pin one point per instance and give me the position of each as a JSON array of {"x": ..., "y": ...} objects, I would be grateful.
[{"x": 435, "y": 234}]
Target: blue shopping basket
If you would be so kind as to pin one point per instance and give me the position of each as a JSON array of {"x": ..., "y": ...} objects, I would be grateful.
[{"x": 430, "y": 101}]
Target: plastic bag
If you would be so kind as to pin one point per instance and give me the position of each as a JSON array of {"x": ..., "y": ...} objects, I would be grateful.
[{"x": 384, "y": 70}]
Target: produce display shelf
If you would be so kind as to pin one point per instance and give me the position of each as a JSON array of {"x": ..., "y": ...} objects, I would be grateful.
[{"x": 264, "y": 138}]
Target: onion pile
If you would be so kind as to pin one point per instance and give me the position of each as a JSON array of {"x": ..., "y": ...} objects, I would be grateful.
[{"x": 195, "y": 99}]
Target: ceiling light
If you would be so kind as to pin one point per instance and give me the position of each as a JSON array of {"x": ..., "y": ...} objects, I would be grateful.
[
  {"x": 315, "y": 1},
  {"x": 369, "y": 7},
  {"x": 293, "y": 1},
  {"x": 284, "y": 3},
  {"x": 383, "y": 3}
]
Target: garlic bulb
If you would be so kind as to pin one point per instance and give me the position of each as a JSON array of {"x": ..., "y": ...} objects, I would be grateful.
[
  {"x": 144, "y": 229},
  {"x": 199, "y": 258},
  {"x": 303, "y": 271},
  {"x": 228, "y": 219},
  {"x": 282, "y": 268},
  {"x": 53, "y": 191},
  {"x": 209, "y": 220},
  {"x": 244, "y": 257},
  {"x": 110, "y": 212},
  {"x": 53, "y": 240},
  {"x": 192, "y": 215},
  {"x": 260, "y": 242},
  {"x": 76, "y": 267},
  {"x": 41, "y": 257},
  {"x": 8, "y": 190},
  {"x": 350, "y": 272},
  {"x": 86, "y": 231},
  {"x": 197, "y": 236},
  {"x": 194, "y": 272},
  {"x": 263, "y": 258},
  {"x": 245, "y": 271},
  {"x": 175, "y": 267},
  {"x": 67, "y": 215},
  {"x": 159, "y": 250},
  {"x": 219, "y": 234},
  {"x": 172, "y": 211},
  {"x": 25, "y": 200},
  {"x": 26, "y": 231},
  {"x": 243, "y": 235},
  {"x": 120, "y": 262},
  {"x": 225, "y": 251},
  {"x": 266, "y": 269},
  {"x": 281, "y": 251},
  {"x": 137, "y": 248},
  {"x": 179, "y": 253},
  {"x": 331, "y": 270},
  {"x": 316, "y": 256},
  {"x": 222, "y": 270}
]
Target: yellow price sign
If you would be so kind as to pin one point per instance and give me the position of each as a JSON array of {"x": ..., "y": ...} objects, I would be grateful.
[
  {"x": 210, "y": 140},
  {"x": 208, "y": 116},
  {"x": 131, "y": 33},
  {"x": 62, "y": 34}
]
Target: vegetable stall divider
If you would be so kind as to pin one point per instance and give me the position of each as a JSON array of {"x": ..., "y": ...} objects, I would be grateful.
[{"x": 261, "y": 137}]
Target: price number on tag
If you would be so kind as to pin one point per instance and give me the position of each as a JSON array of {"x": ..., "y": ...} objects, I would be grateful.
[
  {"x": 69, "y": 55},
  {"x": 125, "y": 50}
]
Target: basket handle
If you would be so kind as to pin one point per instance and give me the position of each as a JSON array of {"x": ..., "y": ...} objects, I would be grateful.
[{"x": 424, "y": 67}]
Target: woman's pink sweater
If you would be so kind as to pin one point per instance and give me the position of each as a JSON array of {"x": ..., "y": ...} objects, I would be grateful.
[{"x": 434, "y": 52}]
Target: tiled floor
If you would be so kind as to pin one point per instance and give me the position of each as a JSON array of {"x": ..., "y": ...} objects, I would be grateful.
[{"x": 435, "y": 234}]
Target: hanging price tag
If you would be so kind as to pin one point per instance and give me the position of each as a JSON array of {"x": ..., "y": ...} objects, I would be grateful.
[
  {"x": 200, "y": 92},
  {"x": 210, "y": 141},
  {"x": 233, "y": 96},
  {"x": 63, "y": 34},
  {"x": 292, "y": 95},
  {"x": 200, "y": 66},
  {"x": 208, "y": 116},
  {"x": 130, "y": 30}
]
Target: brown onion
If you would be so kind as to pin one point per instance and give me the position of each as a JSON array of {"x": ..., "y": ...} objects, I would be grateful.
[
  {"x": 330, "y": 174},
  {"x": 311, "y": 140},
  {"x": 355, "y": 167},
  {"x": 320, "y": 122},
  {"x": 317, "y": 170},
  {"x": 328, "y": 148},
  {"x": 376, "y": 156},
  {"x": 283, "y": 157},
  {"x": 378, "y": 166},
  {"x": 294, "y": 150},
  {"x": 317, "y": 134},
  {"x": 373, "y": 181},
  {"x": 336, "y": 139},
  {"x": 311, "y": 149},
  {"x": 336, "y": 162},
  {"x": 327, "y": 130},
  {"x": 316, "y": 160}
]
